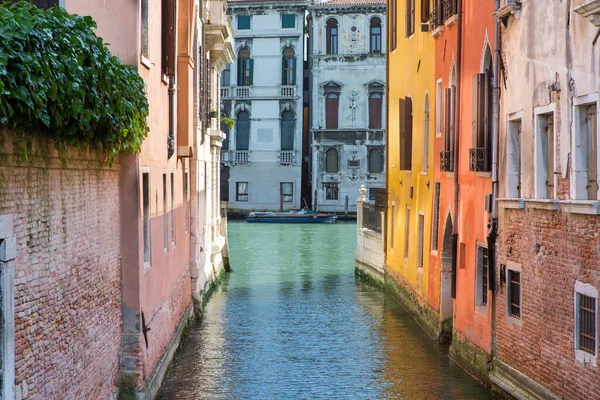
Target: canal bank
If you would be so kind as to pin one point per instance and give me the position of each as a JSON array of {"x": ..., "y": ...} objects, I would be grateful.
[{"x": 292, "y": 321}]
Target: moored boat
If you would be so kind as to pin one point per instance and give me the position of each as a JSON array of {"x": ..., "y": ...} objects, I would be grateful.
[{"x": 290, "y": 218}]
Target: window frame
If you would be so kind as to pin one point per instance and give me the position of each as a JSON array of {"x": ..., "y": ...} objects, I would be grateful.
[
  {"x": 332, "y": 150},
  {"x": 511, "y": 318},
  {"x": 290, "y": 196},
  {"x": 514, "y": 135},
  {"x": 583, "y": 356},
  {"x": 332, "y": 191},
  {"x": 482, "y": 277},
  {"x": 330, "y": 122},
  {"x": 381, "y": 159},
  {"x": 435, "y": 225},
  {"x": 245, "y": 69},
  {"x": 410, "y": 17},
  {"x": 375, "y": 114},
  {"x": 375, "y": 48},
  {"x": 288, "y": 68},
  {"x": 238, "y": 132},
  {"x": 146, "y": 220},
  {"x": 240, "y": 195},
  {"x": 541, "y": 183},
  {"x": 581, "y": 163},
  {"x": 332, "y": 38}
]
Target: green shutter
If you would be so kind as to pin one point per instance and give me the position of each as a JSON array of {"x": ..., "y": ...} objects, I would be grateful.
[
  {"x": 288, "y": 21},
  {"x": 243, "y": 22},
  {"x": 283, "y": 81},
  {"x": 240, "y": 73},
  {"x": 251, "y": 72},
  {"x": 293, "y": 72}
]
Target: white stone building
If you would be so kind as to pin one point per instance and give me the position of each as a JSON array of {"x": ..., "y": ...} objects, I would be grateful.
[
  {"x": 347, "y": 117},
  {"x": 263, "y": 89}
]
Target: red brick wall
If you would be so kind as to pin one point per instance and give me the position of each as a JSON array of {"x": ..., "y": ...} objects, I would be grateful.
[
  {"x": 67, "y": 270},
  {"x": 554, "y": 249}
]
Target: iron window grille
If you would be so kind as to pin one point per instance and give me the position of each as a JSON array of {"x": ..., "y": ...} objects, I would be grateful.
[
  {"x": 446, "y": 161},
  {"x": 331, "y": 191},
  {"x": 586, "y": 327},
  {"x": 514, "y": 293},
  {"x": 485, "y": 265},
  {"x": 479, "y": 160}
]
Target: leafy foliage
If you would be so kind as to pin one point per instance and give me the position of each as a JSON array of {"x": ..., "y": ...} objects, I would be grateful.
[
  {"x": 57, "y": 78},
  {"x": 228, "y": 121}
]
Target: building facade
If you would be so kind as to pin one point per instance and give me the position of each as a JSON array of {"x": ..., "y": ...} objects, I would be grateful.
[
  {"x": 347, "y": 91},
  {"x": 549, "y": 275},
  {"x": 263, "y": 94}
]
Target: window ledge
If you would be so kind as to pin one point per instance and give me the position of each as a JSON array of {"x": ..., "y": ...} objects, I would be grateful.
[
  {"x": 513, "y": 321},
  {"x": 451, "y": 21},
  {"x": 589, "y": 207},
  {"x": 145, "y": 62},
  {"x": 481, "y": 174},
  {"x": 482, "y": 309},
  {"x": 517, "y": 204},
  {"x": 585, "y": 358},
  {"x": 510, "y": 8},
  {"x": 591, "y": 11},
  {"x": 437, "y": 31},
  {"x": 543, "y": 204}
]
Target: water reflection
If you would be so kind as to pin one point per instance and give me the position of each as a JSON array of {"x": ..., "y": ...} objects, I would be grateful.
[{"x": 292, "y": 322}]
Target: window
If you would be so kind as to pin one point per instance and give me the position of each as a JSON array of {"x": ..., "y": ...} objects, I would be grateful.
[
  {"x": 185, "y": 201},
  {"x": 165, "y": 217},
  {"x": 288, "y": 68},
  {"x": 544, "y": 156},
  {"x": 288, "y": 21},
  {"x": 425, "y": 11},
  {"x": 480, "y": 154},
  {"x": 245, "y": 68},
  {"x": 410, "y": 17},
  {"x": 375, "y": 106},
  {"x": 332, "y": 36},
  {"x": 513, "y": 161},
  {"x": 287, "y": 192},
  {"x": 376, "y": 160},
  {"x": 173, "y": 207},
  {"x": 331, "y": 191},
  {"x": 243, "y": 22},
  {"x": 168, "y": 37},
  {"x": 514, "y": 293},
  {"x": 406, "y": 232},
  {"x": 438, "y": 108},
  {"x": 331, "y": 161},
  {"x": 226, "y": 76},
  {"x": 242, "y": 131},
  {"x": 585, "y": 148},
  {"x": 586, "y": 323},
  {"x": 146, "y": 211},
  {"x": 425, "y": 155},
  {"x": 394, "y": 25},
  {"x": 375, "y": 34},
  {"x": 447, "y": 161},
  {"x": 331, "y": 111},
  {"x": 435, "y": 226},
  {"x": 144, "y": 32},
  {"x": 372, "y": 194},
  {"x": 420, "y": 256},
  {"x": 482, "y": 275},
  {"x": 406, "y": 133},
  {"x": 241, "y": 191},
  {"x": 288, "y": 125},
  {"x": 44, "y": 4}
]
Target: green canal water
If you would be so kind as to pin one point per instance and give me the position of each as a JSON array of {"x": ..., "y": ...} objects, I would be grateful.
[{"x": 292, "y": 322}]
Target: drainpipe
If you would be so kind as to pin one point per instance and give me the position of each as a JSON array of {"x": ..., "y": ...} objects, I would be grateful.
[
  {"x": 171, "y": 137},
  {"x": 493, "y": 224},
  {"x": 456, "y": 149}
]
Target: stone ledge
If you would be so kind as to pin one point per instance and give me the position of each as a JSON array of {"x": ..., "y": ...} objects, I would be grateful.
[
  {"x": 543, "y": 204},
  {"x": 517, "y": 384},
  {"x": 588, "y": 207},
  {"x": 516, "y": 204}
]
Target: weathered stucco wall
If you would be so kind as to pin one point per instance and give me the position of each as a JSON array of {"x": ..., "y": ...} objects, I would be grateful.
[{"x": 67, "y": 271}]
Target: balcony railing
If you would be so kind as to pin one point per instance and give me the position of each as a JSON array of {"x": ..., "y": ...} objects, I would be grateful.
[
  {"x": 371, "y": 217},
  {"x": 241, "y": 157},
  {"x": 442, "y": 10},
  {"x": 288, "y": 91},
  {"x": 242, "y": 92},
  {"x": 225, "y": 156},
  {"x": 479, "y": 160},
  {"x": 224, "y": 92},
  {"x": 446, "y": 161},
  {"x": 286, "y": 157}
]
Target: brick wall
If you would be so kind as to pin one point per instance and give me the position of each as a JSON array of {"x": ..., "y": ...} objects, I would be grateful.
[
  {"x": 554, "y": 249},
  {"x": 65, "y": 209}
]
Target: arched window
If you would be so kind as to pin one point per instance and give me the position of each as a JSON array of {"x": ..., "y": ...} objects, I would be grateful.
[
  {"x": 375, "y": 105},
  {"x": 242, "y": 131},
  {"x": 332, "y": 36},
  {"x": 288, "y": 124},
  {"x": 375, "y": 34},
  {"x": 226, "y": 76},
  {"x": 331, "y": 161},
  {"x": 375, "y": 161},
  {"x": 288, "y": 68},
  {"x": 245, "y": 67},
  {"x": 225, "y": 130},
  {"x": 331, "y": 111}
]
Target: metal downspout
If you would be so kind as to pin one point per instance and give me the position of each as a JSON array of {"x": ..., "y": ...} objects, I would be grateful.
[
  {"x": 456, "y": 152},
  {"x": 493, "y": 223}
]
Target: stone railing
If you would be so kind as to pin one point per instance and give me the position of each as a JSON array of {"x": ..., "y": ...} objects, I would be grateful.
[{"x": 370, "y": 245}]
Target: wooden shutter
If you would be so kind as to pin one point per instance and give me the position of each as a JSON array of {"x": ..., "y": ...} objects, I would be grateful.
[
  {"x": 168, "y": 37},
  {"x": 485, "y": 108},
  {"x": 447, "y": 119},
  {"x": 251, "y": 72},
  {"x": 394, "y": 23},
  {"x": 331, "y": 112},
  {"x": 294, "y": 62},
  {"x": 287, "y": 130},
  {"x": 375, "y": 104},
  {"x": 405, "y": 133},
  {"x": 401, "y": 132},
  {"x": 453, "y": 122},
  {"x": 476, "y": 113},
  {"x": 425, "y": 10},
  {"x": 409, "y": 132},
  {"x": 242, "y": 131},
  {"x": 240, "y": 72}
]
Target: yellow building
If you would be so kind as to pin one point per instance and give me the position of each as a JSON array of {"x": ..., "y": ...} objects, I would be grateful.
[{"x": 410, "y": 178}]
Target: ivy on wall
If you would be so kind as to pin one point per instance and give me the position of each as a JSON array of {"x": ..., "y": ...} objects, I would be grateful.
[{"x": 58, "y": 79}]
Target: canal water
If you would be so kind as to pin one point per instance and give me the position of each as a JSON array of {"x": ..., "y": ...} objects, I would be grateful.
[{"x": 292, "y": 322}]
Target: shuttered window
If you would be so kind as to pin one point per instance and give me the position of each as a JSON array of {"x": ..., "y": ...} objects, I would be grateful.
[
  {"x": 288, "y": 123},
  {"x": 375, "y": 105},
  {"x": 245, "y": 68},
  {"x": 168, "y": 37},
  {"x": 331, "y": 111},
  {"x": 410, "y": 17},
  {"x": 425, "y": 10},
  {"x": 406, "y": 127},
  {"x": 375, "y": 161},
  {"x": 393, "y": 24},
  {"x": 331, "y": 161},
  {"x": 482, "y": 123},
  {"x": 242, "y": 131},
  {"x": 243, "y": 22},
  {"x": 288, "y": 21},
  {"x": 288, "y": 67}
]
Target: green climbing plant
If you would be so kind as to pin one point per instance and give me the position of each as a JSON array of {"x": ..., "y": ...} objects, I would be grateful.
[{"x": 58, "y": 79}]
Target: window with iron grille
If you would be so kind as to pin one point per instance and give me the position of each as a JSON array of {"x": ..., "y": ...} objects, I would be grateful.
[
  {"x": 480, "y": 153},
  {"x": 586, "y": 323},
  {"x": 241, "y": 191},
  {"x": 514, "y": 293},
  {"x": 331, "y": 191},
  {"x": 482, "y": 275}
]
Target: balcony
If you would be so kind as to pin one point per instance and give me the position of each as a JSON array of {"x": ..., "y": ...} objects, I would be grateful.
[
  {"x": 241, "y": 157},
  {"x": 219, "y": 32},
  {"x": 591, "y": 11},
  {"x": 446, "y": 161},
  {"x": 242, "y": 92},
  {"x": 479, "y": 160},
  {"x": 225, "y": 156},
  {"x": 286, "y": 157},
  {"x": 224, "y": 92},
  {"x": 444, "y": 12},
  {"x": 288, "y": 91}
]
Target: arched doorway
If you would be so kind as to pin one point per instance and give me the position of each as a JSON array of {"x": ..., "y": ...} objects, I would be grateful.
[{"x": 446, "y": 301}]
